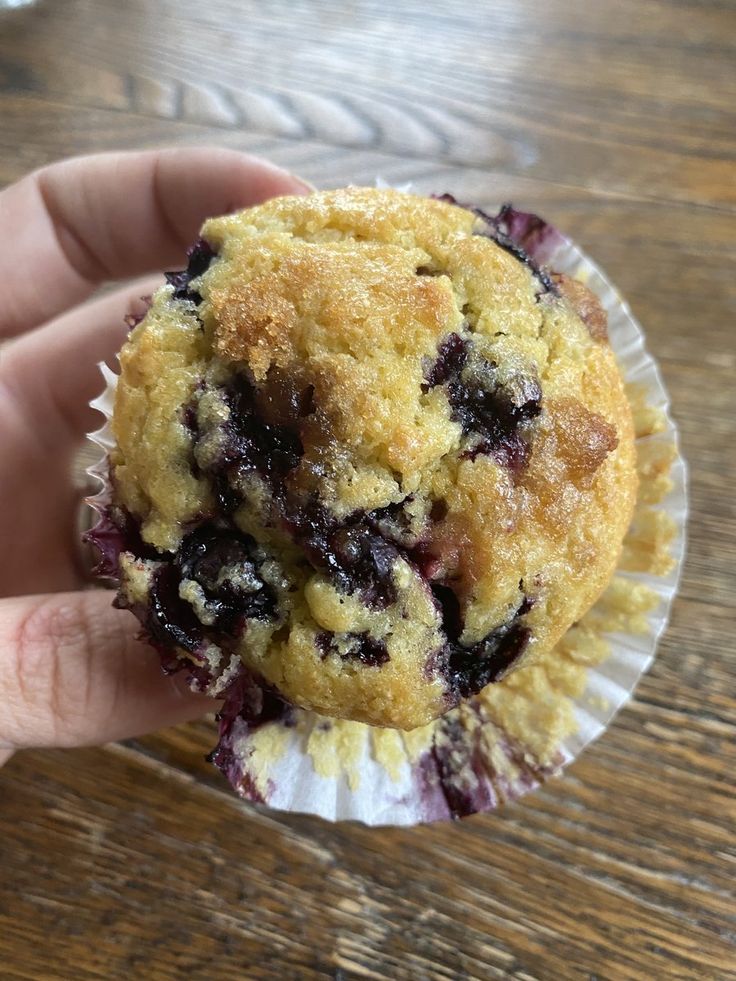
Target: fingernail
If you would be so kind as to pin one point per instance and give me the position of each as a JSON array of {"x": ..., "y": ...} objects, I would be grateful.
[{"x": 305, "y": 185}]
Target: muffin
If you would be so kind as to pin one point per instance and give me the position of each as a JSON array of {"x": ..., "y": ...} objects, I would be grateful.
[{"x": 369, "y": 457}]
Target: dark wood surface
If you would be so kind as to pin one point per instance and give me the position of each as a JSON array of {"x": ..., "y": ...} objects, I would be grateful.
[{"x": 616, "y": 121}]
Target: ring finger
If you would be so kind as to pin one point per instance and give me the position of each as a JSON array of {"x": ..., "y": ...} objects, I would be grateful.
[{"x": 47, "y": 378}]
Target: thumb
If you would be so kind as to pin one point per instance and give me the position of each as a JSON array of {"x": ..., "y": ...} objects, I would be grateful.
[{"x": 73, "y": 674}]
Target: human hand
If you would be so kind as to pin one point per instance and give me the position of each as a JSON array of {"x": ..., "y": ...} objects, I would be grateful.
[{"x": 71, "y": 671}]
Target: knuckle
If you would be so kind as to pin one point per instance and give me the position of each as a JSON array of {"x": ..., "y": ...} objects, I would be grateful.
[{"x": 52, "y": 646}]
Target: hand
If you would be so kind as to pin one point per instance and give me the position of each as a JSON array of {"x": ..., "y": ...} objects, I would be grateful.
[{"x": 71, "y": 671}]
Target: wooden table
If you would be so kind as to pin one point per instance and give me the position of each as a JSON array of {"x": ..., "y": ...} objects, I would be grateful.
[{"x": 613, "y": 119}]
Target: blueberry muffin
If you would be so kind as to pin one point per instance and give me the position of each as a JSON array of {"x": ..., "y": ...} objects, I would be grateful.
[{"x": 367, "y": 449}]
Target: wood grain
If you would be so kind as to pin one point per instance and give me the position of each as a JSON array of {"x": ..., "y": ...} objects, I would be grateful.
[
  {"x": 618, "y": 99},
  {"x": 616, "y": 121}
]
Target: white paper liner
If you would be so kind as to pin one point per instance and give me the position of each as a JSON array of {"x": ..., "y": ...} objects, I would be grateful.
[{"x": 277, "y": 764}]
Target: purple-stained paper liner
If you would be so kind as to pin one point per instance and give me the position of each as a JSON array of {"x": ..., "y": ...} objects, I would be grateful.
[{"x": 509, "y": 739}]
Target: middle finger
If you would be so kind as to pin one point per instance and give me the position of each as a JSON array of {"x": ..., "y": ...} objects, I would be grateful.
[
  {"x": 46, "y": 381},
  {"x": 52, "y": 373}
]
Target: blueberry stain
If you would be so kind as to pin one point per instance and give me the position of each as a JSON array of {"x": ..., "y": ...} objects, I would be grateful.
[
  {"x": 169, "y": 620},
  {"x": 468, "y": 669},
  {"x": 370, "y": 651},
  {"x": 452, "y": 354},
  {"x": 221, "y": 562},
  {"x": 200, "y": 256},
  {"x": 499, "y": 229},
  {"x": 248, "y": 442},
  {"x": 489, "y": 412},
  {"x": 353, "y": 555}
]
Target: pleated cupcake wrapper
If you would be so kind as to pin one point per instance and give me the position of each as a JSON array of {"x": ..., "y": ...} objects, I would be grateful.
[{"x": 465, "y": 762}]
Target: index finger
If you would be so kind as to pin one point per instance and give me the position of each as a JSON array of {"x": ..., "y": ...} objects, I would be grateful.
[{"x": 86, "y": 220}]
